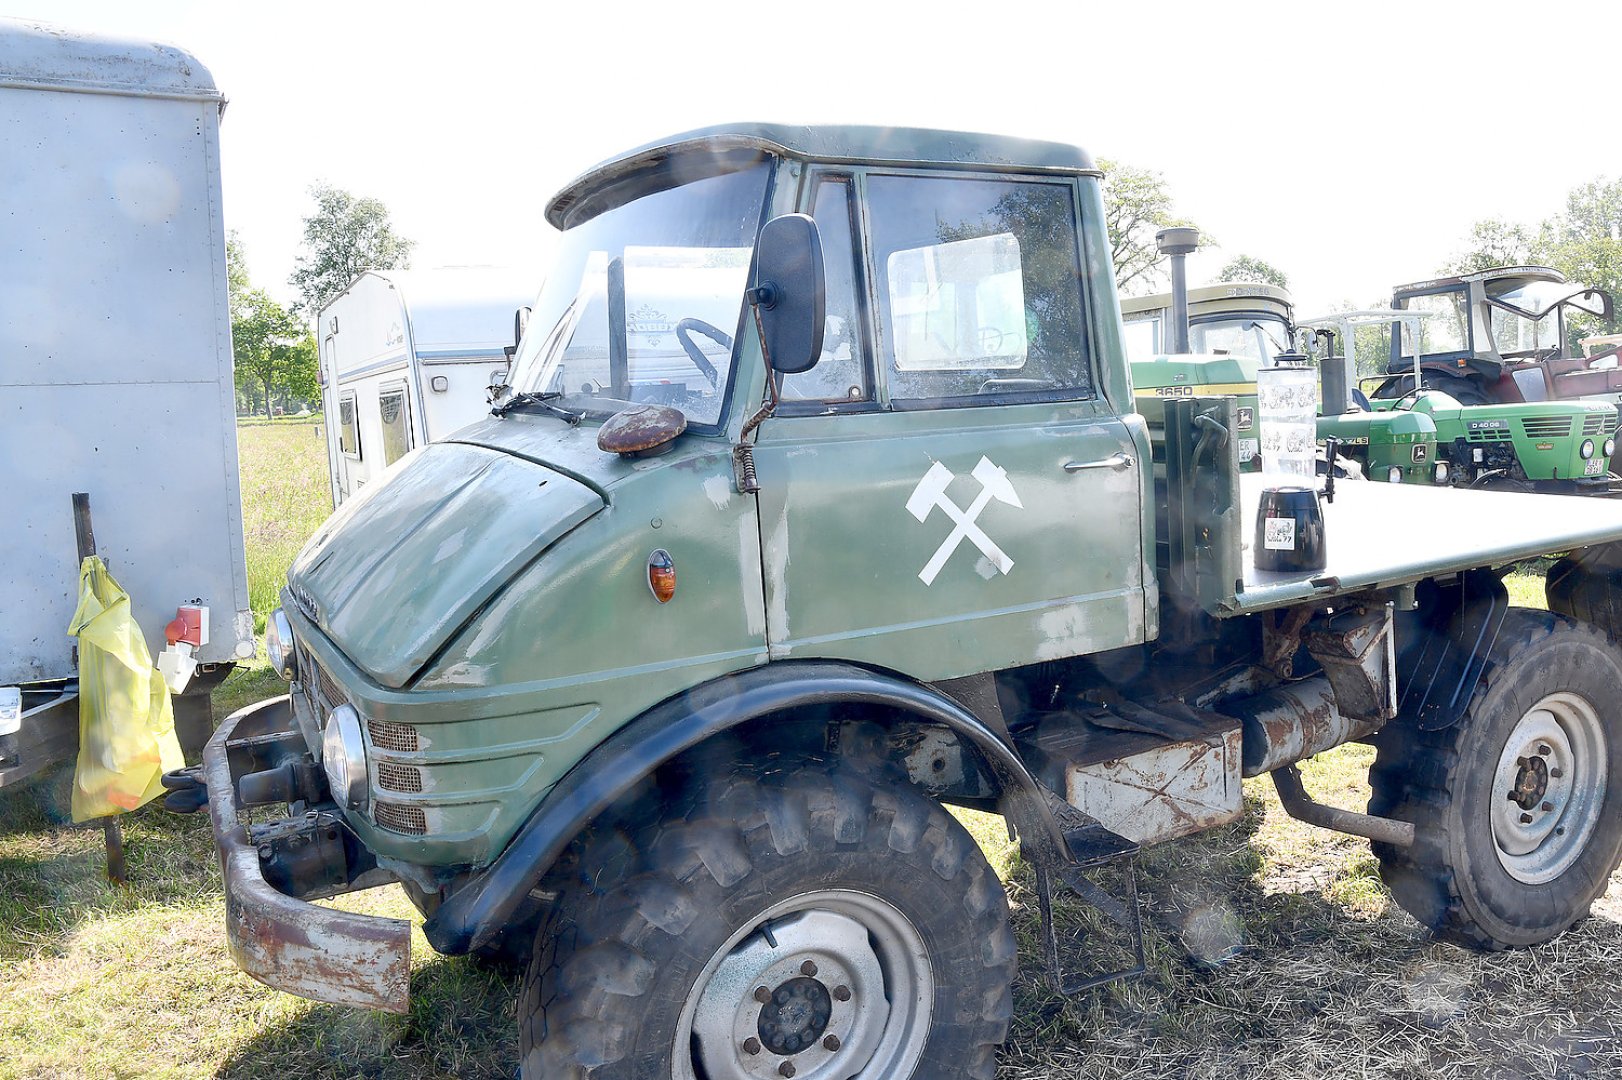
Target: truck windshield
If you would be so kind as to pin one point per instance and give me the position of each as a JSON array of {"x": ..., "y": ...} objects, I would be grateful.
[
  {"x": 643, "y": 301},
  {"x": 1259, "y": 337}
]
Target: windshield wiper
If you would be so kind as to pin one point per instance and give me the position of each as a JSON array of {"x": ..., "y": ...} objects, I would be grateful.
[{"x": 544, "y": 401}]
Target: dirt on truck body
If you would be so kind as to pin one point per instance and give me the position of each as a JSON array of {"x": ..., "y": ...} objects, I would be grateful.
[{"x": 673, "y": 720}]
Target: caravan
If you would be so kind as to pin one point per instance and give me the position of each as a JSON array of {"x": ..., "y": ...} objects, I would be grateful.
[{"x": 407, "y": 357}]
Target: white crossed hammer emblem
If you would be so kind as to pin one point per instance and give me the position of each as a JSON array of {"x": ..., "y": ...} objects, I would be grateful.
[{"x": 931, "y": 492}]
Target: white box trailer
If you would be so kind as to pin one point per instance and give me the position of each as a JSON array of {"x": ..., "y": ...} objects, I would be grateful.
[
  {"x": 407, "y": 357},
  {"x": 115, "y": 365}
]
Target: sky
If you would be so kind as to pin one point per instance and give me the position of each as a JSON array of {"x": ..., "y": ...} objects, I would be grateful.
[{"x": 1351, "y": 145}]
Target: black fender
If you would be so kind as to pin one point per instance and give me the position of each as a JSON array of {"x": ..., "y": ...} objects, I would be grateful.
[{"x": 473, "y": 914}]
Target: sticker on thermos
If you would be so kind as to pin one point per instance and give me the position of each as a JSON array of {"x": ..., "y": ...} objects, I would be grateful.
[{"x": 1279, "y": 534}]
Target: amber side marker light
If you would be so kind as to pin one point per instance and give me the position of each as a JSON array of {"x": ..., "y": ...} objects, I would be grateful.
[{"x": 662, "y": 575}]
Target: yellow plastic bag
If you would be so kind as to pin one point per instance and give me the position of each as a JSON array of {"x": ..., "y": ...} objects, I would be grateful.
[{"x": 126, "y": 724}]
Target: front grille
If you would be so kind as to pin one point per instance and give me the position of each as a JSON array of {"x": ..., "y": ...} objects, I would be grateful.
[
  {"x": 330, "y": 690},
  {"x": 392, "y": 776},
  {"x": 1489, "y": 435},
  {"x": 389, "y": 735},
  {"x": 1546, "y": 427},
  {"x": 1595, "y": 423},
  {"x": 399, "y": 818}
]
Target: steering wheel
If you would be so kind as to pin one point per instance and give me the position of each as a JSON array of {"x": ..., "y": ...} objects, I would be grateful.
[
  {"x": 1551, "y": 352},
  {"x": 684, "y": 334},
  {"x": 1414, "y": 393}
]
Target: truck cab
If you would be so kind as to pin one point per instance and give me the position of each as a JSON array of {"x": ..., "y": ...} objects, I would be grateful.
[{"x": 819, "y": 499}]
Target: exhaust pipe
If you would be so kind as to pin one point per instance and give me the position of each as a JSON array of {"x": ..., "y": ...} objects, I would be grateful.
[{"x": 1178, "y": 243}]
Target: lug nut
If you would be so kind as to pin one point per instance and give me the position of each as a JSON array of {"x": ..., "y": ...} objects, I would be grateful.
[
  {"x": 1547, "y": 807},
  {"x": 841, "y": 992},
  {"x": 751, "y": 1045},
  {"x": 786, "y": 1069},
  {"x": 808, "y": 969},
  {"x": 1521, "y": 762},
  {"x": 831, "y": 1043},
  {"x": 762, "y": 994},
  {"x": 1526, "y": 819},
  {"x": 1556, "y": 773},
  {"x": 1543, "y": 749}
]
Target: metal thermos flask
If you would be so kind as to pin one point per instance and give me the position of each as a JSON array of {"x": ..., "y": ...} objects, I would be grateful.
[{"x": 1290, "y": 531}]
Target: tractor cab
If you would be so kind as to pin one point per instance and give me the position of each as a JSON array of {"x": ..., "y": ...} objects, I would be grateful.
[{"x": 1495, "y": 336}]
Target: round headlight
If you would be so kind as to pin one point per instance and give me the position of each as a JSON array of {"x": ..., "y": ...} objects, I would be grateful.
[
  {"x": 1610, "y": 447},
  {"x": 343, "y": 757},
  {"x": 279, "y": 645},
  {"x": 1587, "y": 449},
  {"x": 1394, "y": 474},
  {"x": 1441, "y": 472}
]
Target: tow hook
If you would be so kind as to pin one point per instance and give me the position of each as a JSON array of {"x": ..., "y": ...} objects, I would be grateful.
[{"x": 187, "y": 791}]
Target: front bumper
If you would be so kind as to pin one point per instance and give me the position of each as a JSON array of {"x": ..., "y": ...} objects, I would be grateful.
[{"x": 285, "y": 942}]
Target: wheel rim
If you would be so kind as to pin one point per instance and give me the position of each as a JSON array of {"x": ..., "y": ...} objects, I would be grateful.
[
  {"x": 848, "y": 991},
  {"x": 1549, "y": 789}
]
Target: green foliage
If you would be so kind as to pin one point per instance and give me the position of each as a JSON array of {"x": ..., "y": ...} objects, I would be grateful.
[
  {"x": 1136, "y": 206},
  {"x": 1493, "y": 242},
  {"x": 1584, "y": 242},
  {"x": 1250, "y": 268},
  {"x": 342, "y": 238},
  {"x": 273, "y": 350}
]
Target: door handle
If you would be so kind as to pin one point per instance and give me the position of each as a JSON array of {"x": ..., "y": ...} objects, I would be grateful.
[{"x": 1119, "y": 460}]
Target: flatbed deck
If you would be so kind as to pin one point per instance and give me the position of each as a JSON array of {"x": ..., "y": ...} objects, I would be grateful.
[{"x": 1383, "y": 535}]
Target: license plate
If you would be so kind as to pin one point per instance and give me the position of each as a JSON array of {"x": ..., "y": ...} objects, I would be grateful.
[
  {"x": 1593, "y": 467},
  {"x": 1249, "y": 448}
]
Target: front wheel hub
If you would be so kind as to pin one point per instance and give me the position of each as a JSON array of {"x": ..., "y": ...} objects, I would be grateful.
[
  {"x": 831, "y": 986},
  {"x": 796, "y": 1016}
]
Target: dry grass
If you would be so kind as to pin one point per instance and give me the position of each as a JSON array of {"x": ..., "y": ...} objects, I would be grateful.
[{"x": 1273, "y": 950}]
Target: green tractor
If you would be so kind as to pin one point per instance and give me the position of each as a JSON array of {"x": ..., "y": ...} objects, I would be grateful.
[
  {"x": 1555, "y": 446},
  {"x": 1234, "y": 330}
]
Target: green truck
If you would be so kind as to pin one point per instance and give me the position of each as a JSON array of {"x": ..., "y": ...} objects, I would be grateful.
[{"x": 660, "y": 678}]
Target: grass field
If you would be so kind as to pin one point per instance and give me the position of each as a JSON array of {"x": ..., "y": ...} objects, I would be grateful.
[{"x": 1273, "y": 949}]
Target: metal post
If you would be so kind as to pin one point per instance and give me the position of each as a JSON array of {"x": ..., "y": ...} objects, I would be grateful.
[{"x": 110, "y": 831}]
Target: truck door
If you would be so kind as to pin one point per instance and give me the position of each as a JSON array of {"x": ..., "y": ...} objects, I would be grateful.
[{"x": 947, "y": 492}]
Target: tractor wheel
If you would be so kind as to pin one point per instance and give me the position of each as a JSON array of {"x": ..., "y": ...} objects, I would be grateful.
[
  {"x": 1517, "y": 808},
  {"x": 804, "y": 923}
]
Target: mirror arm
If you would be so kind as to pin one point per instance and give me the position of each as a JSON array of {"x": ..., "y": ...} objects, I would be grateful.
[{"x": 743, "y": 451}]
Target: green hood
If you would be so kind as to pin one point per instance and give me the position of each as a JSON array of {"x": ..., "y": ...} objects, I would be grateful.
[{"x": 437, "y": 537}]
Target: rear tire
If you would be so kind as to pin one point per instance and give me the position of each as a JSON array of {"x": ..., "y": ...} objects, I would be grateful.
[
  {"x": 867, "y": 913},
  {"x": 1517, "y": 808}
]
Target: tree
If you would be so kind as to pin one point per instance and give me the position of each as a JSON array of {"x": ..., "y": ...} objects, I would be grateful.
[
  {"x": 1584, "y": 242},
  {"x": 344, "y": 237},
  {"x": 1250, "y": 268},
  {"x": 272, "y": 349},
  {"x": 1493, "y": 242},
  {"x": 1136, "y": 206},
  {"x": 236, "y": 271}
]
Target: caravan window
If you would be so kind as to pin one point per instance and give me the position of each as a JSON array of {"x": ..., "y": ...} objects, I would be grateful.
[
  {"x": 348, "y": 429},
  {"x": 391, "y": 409}
]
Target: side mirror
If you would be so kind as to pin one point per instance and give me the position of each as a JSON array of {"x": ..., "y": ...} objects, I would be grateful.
[
  {"x": 520, "y": 324},
  {"x": 790, "y": 292}
]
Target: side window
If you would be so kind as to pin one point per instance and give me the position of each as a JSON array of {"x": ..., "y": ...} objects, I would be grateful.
[
  {"x": 1142, "y": 338},
  {"x": 391, "y": 409},
  {"x": 841, "y": 374},
  {"x": 348, "y": 429},
  {"x": 979, "y": 290}
]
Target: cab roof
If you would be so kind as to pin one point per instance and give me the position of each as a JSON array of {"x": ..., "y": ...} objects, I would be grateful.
[
  {"x": 841, "y": 144},
  {"x": 37, "y": 55}
]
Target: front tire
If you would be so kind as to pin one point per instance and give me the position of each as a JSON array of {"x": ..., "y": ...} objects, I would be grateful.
[
  {"x": 807, "y": 918},
  {"x": 1517, "y": 808}
]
